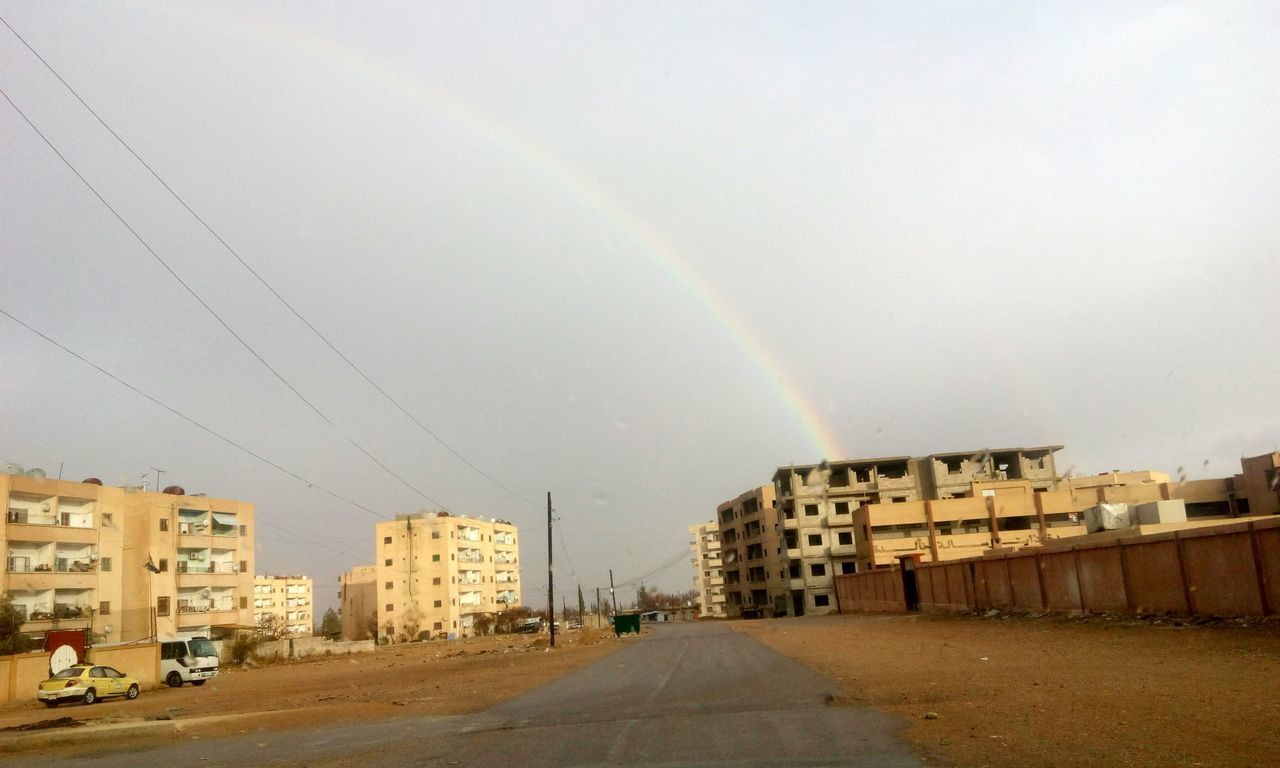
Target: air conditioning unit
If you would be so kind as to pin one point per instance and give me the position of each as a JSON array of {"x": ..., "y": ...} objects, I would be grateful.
[{"x": 184, "y": 528}]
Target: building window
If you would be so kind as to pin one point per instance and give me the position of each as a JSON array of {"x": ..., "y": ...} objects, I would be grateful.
[
  {"x": 386, "y": 539},
  {"x": 817, "y": 569},
  {"x": 810, "y": 510},
  {"x": 164, "y": 564},
  {"x": 435, "y": 558},
  {"x": 842, "y": 507},
  {"x": 815, "y": 539},
  {"x": 391, "y": 607},
  {"x": 435, "y": 534},
  {"x": 164, "y": 523},
  {"x": 104, "y": 608},
  {"x": 845, "y": 537},
  {"x": 162, "y": 606},
  {"x": 106, "y": 518},
  {"x": 244, "y": 566},
  {"x": 435, "y": 582},
  {"x": 244, "y": 530},
  {"x": 848, "y": 567},
  {"x": 105, "y": 563},
  {"x": 438, "y": 604},
  {"x": 387, "y": 561},
  {"x": 244, "y": 603},
  {"x": 390, "y": 585},
  {"x": 821, "y": 601}
]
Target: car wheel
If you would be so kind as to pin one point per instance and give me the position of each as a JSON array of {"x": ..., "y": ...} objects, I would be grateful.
[
  {"x": 197, "y": 682},
  {"x": 90, "y": 696},
  {"x": 132, "y": 693},
  {"x": 51, "y": 703},
  {"x": 174, "y": 680}
]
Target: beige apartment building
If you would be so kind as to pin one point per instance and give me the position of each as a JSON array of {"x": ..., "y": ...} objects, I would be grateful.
[
  {"x": 1013, "y": 514},
  {"x": 125, "y": 563},
  {"x": 440, "y": 575},
  {"x": 359, "y": 596},
  {"x": 289, "y": 598},
  {"x": 708, "y": 569},
  {"x": 751, "y": 548}
]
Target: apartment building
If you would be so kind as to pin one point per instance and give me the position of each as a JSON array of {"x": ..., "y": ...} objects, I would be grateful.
[
  {"x": 751, "y": 549},
  {"x": 438, "y": 575},
  {"x": 125, "y": 563},
  {"x": 816, "y": 503},
  {"x": 708, "y": 570},
  {"x": 288, "y": 598},
  {"x": 1015, "y": 513},
  {"x": 359, "y": 596}
]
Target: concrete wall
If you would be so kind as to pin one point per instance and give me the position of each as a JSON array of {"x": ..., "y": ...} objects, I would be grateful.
[
  {"x": 21, "y": 674},
  {"x": 140, "y": 661},
  {"x": 1223, "y": 570},
  {"x": 300, "y": 647}
]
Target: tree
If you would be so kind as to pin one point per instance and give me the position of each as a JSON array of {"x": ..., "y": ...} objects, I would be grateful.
[
  {"x": 12, "y": 639},
  {"x": 272, "y": 626},
  {"x": 331, "y": 624}
]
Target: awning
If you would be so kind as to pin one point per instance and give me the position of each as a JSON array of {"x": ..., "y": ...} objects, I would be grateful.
[{"x": 222, "y": 518}]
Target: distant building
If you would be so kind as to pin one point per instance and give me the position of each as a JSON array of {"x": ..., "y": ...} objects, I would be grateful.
[
  {"x": 440, "y": 575},
  {"x": 755, "y": 577},
  {"x": 124, "y": 563},
  {"x": 708, "y": 573},
  {"x": 287, "y": 597},
  {"x": 359, "y": 596}
]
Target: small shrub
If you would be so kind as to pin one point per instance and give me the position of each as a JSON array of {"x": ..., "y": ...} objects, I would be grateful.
[{"x": 243, "y": 648}]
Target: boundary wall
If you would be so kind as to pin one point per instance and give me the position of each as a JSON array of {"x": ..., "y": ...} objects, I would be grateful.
[{"x": 1229, "y": 570}]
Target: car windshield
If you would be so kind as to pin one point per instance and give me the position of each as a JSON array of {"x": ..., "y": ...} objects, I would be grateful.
[
  {"x": 69, "y": 672},
  {"x": 202, "y": 647}
]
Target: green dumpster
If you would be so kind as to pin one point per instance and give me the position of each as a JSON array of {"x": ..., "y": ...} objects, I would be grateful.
[{"x": 626, "y": 623}]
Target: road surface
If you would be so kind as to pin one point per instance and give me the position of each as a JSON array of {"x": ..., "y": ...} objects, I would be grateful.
[{"x": 687, "y": 695}]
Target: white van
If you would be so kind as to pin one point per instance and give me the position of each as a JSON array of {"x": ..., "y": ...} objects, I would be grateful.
[{"x": 189, "y": 660}]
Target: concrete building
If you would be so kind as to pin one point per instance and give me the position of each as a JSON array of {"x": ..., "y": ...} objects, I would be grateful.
[
  {"x": 125, "y": 563},
  {"x": 289, "y": 598},
  {"x": 708, "y": 569},
  {"x": 439, "y": 575},
  {"x": 359, "y": 596},
  {"x": 755, "y": 566}
]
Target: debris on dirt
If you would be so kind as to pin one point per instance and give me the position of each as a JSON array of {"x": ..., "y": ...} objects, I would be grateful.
[
  {"x": 931, "y": 715},
  {"x": 57, "y": 722}
]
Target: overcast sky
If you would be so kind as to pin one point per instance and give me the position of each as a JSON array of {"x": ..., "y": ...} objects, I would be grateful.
[{"x": 637, "y": 255}]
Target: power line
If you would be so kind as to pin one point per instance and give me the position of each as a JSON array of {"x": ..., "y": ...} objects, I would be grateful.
[
  {"x": 650, "y": 574},
  {"x": 189, "y": 419},
  {"x": 209, "y": 228},
  {"x": 213, "y": 313}
]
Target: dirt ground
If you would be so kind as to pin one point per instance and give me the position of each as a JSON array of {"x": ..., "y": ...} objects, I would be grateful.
[
  {"x": 434, "y": 678},
  {"x": 1011, "y": 691}
]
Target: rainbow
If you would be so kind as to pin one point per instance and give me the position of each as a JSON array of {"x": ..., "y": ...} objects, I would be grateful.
[{"x": 585, "y": 190}]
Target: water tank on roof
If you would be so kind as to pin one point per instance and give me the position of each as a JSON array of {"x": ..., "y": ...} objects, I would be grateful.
[
  {"x": 14, "y": 469},
  {"x": 36, "y": 472},
  {"x": 91, "y": 481},
  {"x": 174, "y": 490}
]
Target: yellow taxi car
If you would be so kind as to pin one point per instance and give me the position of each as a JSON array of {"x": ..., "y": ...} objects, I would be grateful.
[{"x": 87, "y": 683}]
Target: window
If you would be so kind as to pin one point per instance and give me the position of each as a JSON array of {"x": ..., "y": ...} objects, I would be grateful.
[
  {"x": 389, "y": 585},
  {"x": 105, "y": 563},
  {"x": 842, "y": 507},
  {"x": 162, "y": 606},
  {"x": 244, "y": 566},
  {"x": 438, "y": 604},
  {"x": 386, "y": 539},
  {"x": 244, "y": 530},
  {"x": 435, "y": 534},
  {"x": 848, "y": 567},
  {"x": 164, "y": 564},
  {"x": 387, "y": 561},
  {"x": 244, "y": 602},
  {"x": 821, "y": 601},
  {"x": 810, "y": 510},
  {"x": 390, "y": 607},
  {"x": 106, "y": 518},
  {"x": 164, "y": 523},
  {"x": 845, "y": 537},
  {"x": 436, "y": 558},
  {"x": 815, "y": 539},
  {"x": 435, "y": 582},
  {"x": 818, "y": 569},
  {"x": 438, "y": 625},
  {"x": 104, "y": 608}
]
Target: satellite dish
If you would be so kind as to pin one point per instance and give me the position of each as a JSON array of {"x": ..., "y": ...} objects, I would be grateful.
[
  {"x": 45, "y": 506},
  {"x": 108, "y": 629},
  {"x": 62, "y": 658}
]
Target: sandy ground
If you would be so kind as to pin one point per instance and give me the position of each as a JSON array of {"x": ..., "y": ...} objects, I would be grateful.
[
  {"x": 1054, "y": 691},
  {"x": 435, "y": 678}
]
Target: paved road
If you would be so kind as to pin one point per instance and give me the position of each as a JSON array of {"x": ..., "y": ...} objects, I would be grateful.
[{"x": 688, "y": 695}]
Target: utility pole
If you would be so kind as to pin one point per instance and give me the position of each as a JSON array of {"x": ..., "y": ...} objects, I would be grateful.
[
  {"x": 158, "y": 472},
  {"x": 551, "y": 576},
  {"x": 613, "y": 600},
  {"x": 599, "y": 607}
]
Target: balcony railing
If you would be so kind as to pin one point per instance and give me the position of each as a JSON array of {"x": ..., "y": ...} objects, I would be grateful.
[
  {"x": 206, "y": 606},
  {"x": 187, "y": 566},
  {"x": 56, "y": 612}
]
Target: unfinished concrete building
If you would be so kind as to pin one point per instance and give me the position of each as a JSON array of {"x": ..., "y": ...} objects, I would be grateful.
[
  {"x": 751, "y": 549},
  {"x": 708, "y": 569}
]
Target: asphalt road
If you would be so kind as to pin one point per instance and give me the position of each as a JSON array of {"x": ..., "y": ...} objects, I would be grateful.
[{"x": 687, "y": 695}]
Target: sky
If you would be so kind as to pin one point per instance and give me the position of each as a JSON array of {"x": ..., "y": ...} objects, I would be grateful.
[{"x": 634, "y": 255}]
